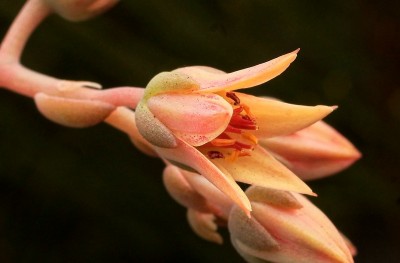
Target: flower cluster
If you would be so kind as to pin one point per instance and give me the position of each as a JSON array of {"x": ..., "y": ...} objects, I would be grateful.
[{"x": 209, "y": 136}]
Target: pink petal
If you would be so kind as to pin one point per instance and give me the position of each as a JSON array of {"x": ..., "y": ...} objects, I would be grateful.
[
  {"x": 314, "y": 152},
  {"x": 262, "y": 169},
  {"x": 179, "y": 188},
  {"x": 217, "y": 200},
  {"x": 187, "y": 157},
  {"x": 304, "y": 234},
  {"x": 194, "y": 118},
  {"x": 72, "y": 112},
  {"x": 211, "y": 80},
  {"x": 152, "y": 129},
  {"x": 276, "y": 118},
  {"x": 204, "y": 225}
]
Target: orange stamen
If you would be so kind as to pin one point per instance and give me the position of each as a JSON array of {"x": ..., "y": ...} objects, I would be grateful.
[
  {"x": 233, "y": 129},
  {"x": 244, "y": 153},
  {"x": 251, "y": 137},
  {"x": 241, "y": 120},
  {"x": 234, "y": 155},
  {"x": 247, "y": 110},
  {"x": 223, "y": 142}
]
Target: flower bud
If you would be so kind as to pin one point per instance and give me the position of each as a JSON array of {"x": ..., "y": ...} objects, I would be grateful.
[
  {"x": 179, "y": 188},
  {"x": 314, "y": 152},
  {"x": 204, "y": 225},
  {"x": 78, "y": 10},
  {"x": 72, "y": 112},
  {"x": 288, "y": 229}
]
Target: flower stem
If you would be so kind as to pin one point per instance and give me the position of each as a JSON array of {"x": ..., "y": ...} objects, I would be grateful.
[
  {"x": 30, "y": 16},
  {"x": 24, "y": 81}
]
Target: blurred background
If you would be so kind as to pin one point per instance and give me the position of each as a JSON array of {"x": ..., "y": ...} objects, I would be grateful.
[{"x": 87, "y": 195}]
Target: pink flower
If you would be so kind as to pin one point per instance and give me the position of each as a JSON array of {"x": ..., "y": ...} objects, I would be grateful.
[{"x": 195, "y": 120}]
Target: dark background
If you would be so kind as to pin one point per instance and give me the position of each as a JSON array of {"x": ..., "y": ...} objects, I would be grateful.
[{"x": 87, "y": 195}]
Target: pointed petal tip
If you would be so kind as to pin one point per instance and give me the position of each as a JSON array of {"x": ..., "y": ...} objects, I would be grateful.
[
  {"x": 296, "y": 51},
  {"x": 357, "y": 154},
  {"x": 245, "y": 205},
  {"x": 248, "y": 213},
  {"x": 308, "y": 192},
  {"x": 326, "y": 110}
]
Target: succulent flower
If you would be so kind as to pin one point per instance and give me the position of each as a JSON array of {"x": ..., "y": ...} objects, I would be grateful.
[{"x": 195, "y": 120}]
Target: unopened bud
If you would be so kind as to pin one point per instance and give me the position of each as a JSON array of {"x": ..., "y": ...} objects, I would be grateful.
[
  {"x": 78, "y": 10},
  {"x": 72, "y": 112},
  {"x": 280, "y": 233},
  {"x": 314, "y": 152}
]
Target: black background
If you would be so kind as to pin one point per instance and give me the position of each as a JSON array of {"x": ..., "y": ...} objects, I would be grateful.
[{"x": 87, "y": 195}]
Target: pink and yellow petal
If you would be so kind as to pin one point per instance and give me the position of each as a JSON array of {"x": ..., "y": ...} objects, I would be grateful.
[
  {"x": 262, "y": 169},
  {"x": 74, "y": 113},
  {"x": 219, "y": 203},
  {"x": 306, "y": 234},
  {"x": 200, "y": 74},
  {"x": 313, "y": 152},
  {"x": 187, "y": 157},
  {"x": 214, "y": 81},
  {"x": 180, "y": 189},
  {"x": 276, "y": 118},
  {"x": 194, "y": 118},
  {"x": 204, "y": 226}
]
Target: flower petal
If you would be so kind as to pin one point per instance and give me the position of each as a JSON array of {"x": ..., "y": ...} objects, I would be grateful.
[
  {"x": 72, "y": 112},
  {"x": 220, "y": 203},
  {"x": 211, "y": 80},
  {"x": 187, "y": 157},
  {"x": 303, "y": 235},
  {"x": 249, "y": 232},
  {"x": 276, "y": 118},
  {"x": 179, "y": 188},
  {"x": 314, "y": 152},
  {"x": 194, "y": 118},
  {"x": 262, "y": 169},
  {"x": 204, "y": 226},
  {"x": 168, "y": 82},
  {"x": 154, "y": 131}
]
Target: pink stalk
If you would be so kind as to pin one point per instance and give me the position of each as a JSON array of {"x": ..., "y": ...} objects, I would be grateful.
[
  {"x": 24, "y": 81},
  {"x": 30, "y": 16}
]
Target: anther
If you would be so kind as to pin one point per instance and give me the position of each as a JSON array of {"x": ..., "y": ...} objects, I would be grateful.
[
  {"x": 215, "y": 154},
  {"x": 222, "y": 142},
  {"x": 247, "y": 110},
  {"x": 232, "y": 96},
  {"x": 251, "y": 137},
  {"x": 233, "y": 156}
]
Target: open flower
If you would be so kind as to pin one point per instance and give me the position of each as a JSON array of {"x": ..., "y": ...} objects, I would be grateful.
[{"x": 195, "y": 120}]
